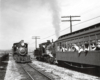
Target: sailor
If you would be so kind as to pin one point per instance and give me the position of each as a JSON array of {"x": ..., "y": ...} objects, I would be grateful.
[{"x": 98, "y": 45}]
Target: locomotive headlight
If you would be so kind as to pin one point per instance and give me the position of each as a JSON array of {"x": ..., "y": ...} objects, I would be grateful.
[{"x": 22, "y": 51}]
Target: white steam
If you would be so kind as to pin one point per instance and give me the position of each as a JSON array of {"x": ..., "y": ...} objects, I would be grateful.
[{"x": 55, "y": 15}]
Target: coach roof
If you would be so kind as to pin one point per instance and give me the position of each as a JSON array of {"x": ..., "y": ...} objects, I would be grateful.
[{"x": 81, "y": 30}]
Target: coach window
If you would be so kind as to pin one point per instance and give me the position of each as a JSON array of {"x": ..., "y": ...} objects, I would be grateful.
[
  {"x": 69, "y": 48},
  {"x": 62, "y": 47},
  {"x": 81, "y": 46},
  {"x": 98, "y": 45},
  {"x": 74, "y": 45},
  {"x": 92, "y": 45},
  {"x": 58, "y": 46},
  {"x": 86, "y": 46},
  {"x": 72, "y": 48},
  {"x": 66, "y": 46}
]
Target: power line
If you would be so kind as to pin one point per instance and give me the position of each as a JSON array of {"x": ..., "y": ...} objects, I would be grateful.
[
  {"x": 80, "y": 23},
  {"x": 73, "y": 25},
  {"x": 87, "y": 20},
  {"x": 64, "y": 29},
  {"x": 91, "y": 10},
  {"x": 49, "y": 36}
]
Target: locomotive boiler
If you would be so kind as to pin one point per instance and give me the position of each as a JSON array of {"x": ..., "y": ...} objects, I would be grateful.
[
  {"x": 20, "y": 52},
  {"x": 46, "y": 52}
]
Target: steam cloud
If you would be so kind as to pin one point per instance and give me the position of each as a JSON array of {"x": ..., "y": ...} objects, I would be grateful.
[{"x": 55, "y": 15}]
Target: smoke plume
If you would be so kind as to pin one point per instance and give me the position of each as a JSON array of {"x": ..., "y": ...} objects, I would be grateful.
[{"x": 55, "y": 15}]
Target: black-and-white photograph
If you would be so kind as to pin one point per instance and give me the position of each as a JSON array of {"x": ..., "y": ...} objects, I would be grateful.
[{"x": 49, "y": 39}]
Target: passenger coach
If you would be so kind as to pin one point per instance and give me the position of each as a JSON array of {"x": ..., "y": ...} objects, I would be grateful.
[{"x": 80, "y": 47}]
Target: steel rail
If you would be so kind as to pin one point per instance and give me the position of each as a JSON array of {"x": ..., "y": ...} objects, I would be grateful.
[
  {"x": 27, "y": 73},
  {"x": 41, "y": 72}
]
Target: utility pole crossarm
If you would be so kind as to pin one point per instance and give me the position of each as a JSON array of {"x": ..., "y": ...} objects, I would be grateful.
[
  {"x": 70, "y": 20},
  {"x": 69, "y": 16},
  {"x": 33, "y": 37}
]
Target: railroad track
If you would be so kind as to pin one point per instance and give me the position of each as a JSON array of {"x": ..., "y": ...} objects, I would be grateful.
[{"x": 34, "y": 74}]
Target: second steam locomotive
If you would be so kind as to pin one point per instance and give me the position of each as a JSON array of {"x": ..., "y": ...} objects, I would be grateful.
[{"x": 46, "y": 52}]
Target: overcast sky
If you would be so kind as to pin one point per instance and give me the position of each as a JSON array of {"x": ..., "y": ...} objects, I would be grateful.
[{"x": 22, "y": 19}]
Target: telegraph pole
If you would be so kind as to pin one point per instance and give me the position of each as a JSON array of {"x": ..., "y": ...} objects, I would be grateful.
[
  {"x": 35, "y": 37},
  {"x": 70, "y": 17}
]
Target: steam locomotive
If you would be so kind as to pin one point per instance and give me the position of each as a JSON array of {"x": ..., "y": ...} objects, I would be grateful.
[
  {"x": 20, "y": 52},
  {"x": 46, "y": 52},
  {"x": 78, "y": 49}
]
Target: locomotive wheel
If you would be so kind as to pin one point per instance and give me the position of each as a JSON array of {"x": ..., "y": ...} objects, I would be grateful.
[
  {"x": 51, "y": 60},
  {"x": 39, "y": 58},
  {"x": 48, "y": 59}
]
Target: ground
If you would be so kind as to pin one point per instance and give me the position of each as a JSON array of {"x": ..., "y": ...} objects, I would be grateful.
[{"x": 59, "y": 73}]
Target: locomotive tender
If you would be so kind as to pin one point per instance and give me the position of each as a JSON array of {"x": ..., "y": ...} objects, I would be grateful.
[
  {"x": 20, "y": 52},
  {"x": 81, "y": 47}
]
